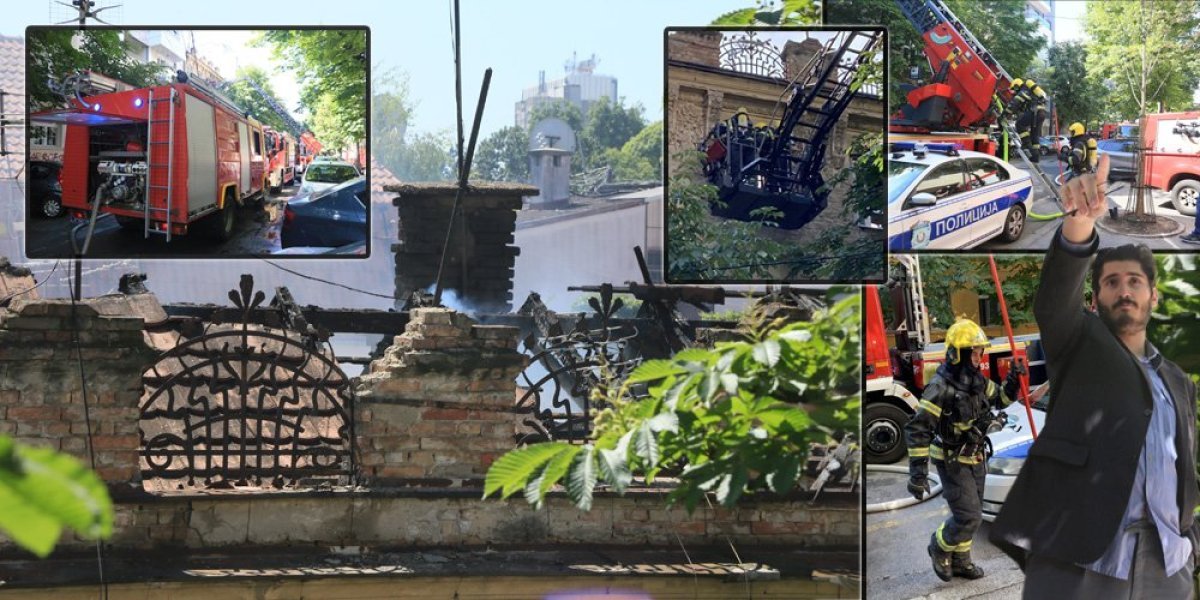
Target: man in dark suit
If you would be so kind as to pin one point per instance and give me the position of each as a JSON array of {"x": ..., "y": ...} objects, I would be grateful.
[{"x": 1103, "y": 505}]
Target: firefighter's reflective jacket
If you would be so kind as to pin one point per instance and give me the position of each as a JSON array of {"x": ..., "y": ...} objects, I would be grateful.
[{"x": 953, "y": 416}]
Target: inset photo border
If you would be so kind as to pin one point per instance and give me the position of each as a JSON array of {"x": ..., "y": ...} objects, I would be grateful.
[
  {"x": 198, "y": 142},
  {"x": 774, "y": 154}
]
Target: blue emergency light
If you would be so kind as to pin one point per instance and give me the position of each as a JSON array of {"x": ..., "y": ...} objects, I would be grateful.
[{"x": 137, "y": 102}]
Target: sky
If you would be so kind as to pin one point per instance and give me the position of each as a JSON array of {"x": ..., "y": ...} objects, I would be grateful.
[
  {"x": 230, "y": 49},
  {"x": 517, "y": 39}
]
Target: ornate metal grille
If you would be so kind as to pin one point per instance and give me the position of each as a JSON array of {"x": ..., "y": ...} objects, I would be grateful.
[
  {"x": 565, "y": 368},
  {"x": 242, "y": 403},
  {"x": 748, "y": 54}
]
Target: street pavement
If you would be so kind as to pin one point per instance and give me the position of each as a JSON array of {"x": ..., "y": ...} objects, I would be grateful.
[
  {"x": 898, "y": 566},
  {"x": 1038, "y": 234},
  {"x": 256, "y": 234}
]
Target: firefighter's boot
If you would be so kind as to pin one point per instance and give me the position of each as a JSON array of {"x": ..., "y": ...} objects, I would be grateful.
[
  {"x": 941, "y": 559},
  {"x": 961, "y": 566}
]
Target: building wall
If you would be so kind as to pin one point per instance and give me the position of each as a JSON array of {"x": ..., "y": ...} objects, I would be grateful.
[{"x": 588, "y": 248}]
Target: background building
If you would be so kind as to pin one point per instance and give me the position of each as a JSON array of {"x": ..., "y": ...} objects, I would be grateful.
[{"x": 581, "y": 86}]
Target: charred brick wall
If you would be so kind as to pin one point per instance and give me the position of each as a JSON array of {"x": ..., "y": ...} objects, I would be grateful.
[
  {"x": 481, "y": 254},
  {"x": 41, "y": 390},
  {"x": 437, "y": 409}
]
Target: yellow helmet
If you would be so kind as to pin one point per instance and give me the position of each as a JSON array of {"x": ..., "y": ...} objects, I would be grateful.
[
  {"x": 1029, "y": 83},
  {"x": 1016, "y": 83},
  {"x": 1075, "y": 129},
  {"x": 964, "y": 333}
]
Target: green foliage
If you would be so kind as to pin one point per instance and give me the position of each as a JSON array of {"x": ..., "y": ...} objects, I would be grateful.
[
  {"x": 944, "y": 275},
  {"x": 1000, "y": 26},
  {"x": 51, "y": 56},
  {"x": 601, "y": 137},
  {"x": 773, "y": 12},
  {"x": 647, "y": 146},
  {"x": 736, "y": 418},
  {"x": 700, "y": 246},
  {"x": 428, "y": 156},
  {"x": 611, "y": 125},
  {"x": 1145, "y": 53},
  {"x": 1079, "y": 96},
  {"x": 503, "y": 156},
  {"x": 245, "y": 96},
  {"x": 43, "y": 491},
  {"x": 331, "y": 65},
  {"x": 424, "y": 157},
  {"x": 558, "y": 109},
  {"x": 1175, "y": 325}
]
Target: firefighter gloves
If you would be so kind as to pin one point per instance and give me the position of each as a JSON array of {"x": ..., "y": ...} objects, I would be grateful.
[{"x": 918, "y": 478}]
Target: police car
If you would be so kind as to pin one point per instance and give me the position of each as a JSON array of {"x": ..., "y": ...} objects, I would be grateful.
[
  {"x": 940, "y": 198},
  {"x": 1009, "y": 449}
]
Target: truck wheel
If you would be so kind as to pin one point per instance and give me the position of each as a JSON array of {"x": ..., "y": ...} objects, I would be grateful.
[
  {"x": 221, "y": 225},
  {"x": 1184, "y": 196},
  {"x": 883, "y": 433}
]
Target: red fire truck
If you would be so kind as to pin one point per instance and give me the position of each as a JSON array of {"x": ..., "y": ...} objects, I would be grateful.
[
  {"x": 162, "y": 159},
  {"x": 896, "y": 374},
  {"x": 306, "y": 151},
  {"x": 281, "y": 159},
  {"x": 1172, "y": 158}
]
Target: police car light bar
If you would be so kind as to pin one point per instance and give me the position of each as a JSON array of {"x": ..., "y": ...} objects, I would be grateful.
[{"x": 921, "y": 147}]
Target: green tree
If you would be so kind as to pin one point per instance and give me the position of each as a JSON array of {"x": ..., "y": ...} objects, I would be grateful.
[
  {"x": 773, "y": 12},
  {"x": 244, "y": 95},
  {"x": 647, "y": 145},
  {"x": 610, "y": 125},
  {"x": 331, "y": 65},
  {"x": 424, "y": 157},
  {"x": 1146, "y": 52},
  {"x": 944, "y": 275},
  {"x": 43, "y": 491},
  {"x": 391, "y": 110},
  {"x": 52, "y": 57},
  {"x": 558, "y": 109},
  {"x": 737, "y": 418},
  {"x": 428, "y": 156},
  {"x": 700, "y": 246},
  {"x": 1078, "y": 96},
  {"x": 1175, "y": 325},
  {"x": 503, "y": 156}
]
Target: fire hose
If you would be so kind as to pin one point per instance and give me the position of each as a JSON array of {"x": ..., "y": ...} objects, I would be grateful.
[
  {"x": 91, "y": 225},
  {"x": 874, "y": 507}
]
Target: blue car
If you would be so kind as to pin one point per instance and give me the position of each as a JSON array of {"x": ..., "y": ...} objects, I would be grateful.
[{"x": 331, "y": 218}]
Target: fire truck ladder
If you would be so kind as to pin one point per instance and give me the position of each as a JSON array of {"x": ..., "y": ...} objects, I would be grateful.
[
  {"x": 927, "y": 14},
  {"x": 816, "y": 105},
  {"x": 157, "y": 168},
  {"x": 293, "y": 126}
]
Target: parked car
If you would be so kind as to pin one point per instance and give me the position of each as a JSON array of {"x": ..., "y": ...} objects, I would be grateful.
[
  {"x": 329, "y": 218},
  {"x": 1120, "y": 153},
  {"x": 942, "y": 199},
  {"x": 45, "y": 191},
  {"x": 1053, "y": 144},
  {"x": 1010, "y": 446},
  {"x": 326, "y": 174}
]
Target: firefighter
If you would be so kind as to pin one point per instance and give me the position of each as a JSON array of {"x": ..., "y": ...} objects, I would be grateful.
[
  {"x": 950, "y": 426},
  {"x": 1082, "y": 158},
  {"x": 1029, "y": 102}
]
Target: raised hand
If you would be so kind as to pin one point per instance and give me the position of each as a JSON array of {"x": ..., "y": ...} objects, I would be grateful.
[{"x": 1085, "y": 200}]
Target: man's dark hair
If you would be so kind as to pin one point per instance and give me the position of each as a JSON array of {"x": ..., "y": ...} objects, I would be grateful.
[{"x": 1136, "y": 252}]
